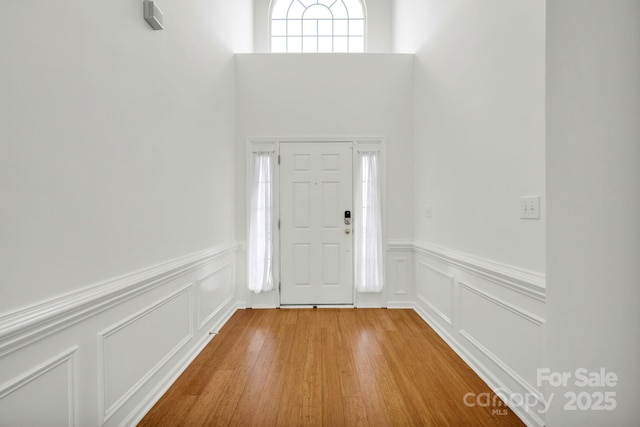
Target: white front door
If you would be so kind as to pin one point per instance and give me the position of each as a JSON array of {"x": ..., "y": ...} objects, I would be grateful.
[{"x": 316, "y": 245}]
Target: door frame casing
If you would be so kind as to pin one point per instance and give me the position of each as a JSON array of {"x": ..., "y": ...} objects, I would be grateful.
[{"x": 271, "y": 299}]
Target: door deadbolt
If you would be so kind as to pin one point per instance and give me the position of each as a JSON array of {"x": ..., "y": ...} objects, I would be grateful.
[{"x": 347, "y": 218}]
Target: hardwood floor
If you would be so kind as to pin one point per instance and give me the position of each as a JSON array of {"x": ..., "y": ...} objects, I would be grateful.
[{"x": 327, "y": 367}]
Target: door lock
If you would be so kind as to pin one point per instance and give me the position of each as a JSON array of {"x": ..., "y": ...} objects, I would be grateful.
[{"x": 347, "y": 231}]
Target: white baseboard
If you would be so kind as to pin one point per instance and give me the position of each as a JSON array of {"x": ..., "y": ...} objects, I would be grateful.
[{"x": 401, "y": 305}]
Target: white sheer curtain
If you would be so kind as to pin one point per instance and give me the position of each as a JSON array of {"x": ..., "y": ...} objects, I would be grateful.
[
  {"x": 261, "y": 227},
  {"x": 369, "y": 274}
]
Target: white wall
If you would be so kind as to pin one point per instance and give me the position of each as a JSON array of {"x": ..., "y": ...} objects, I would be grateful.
[
  {"x": 479, "y": 146},
  {"x": 282, "y": 95},
  {"x": 379, "y": 25},
  {"x": 479, "y": 135},
  {"x": 593, "y": 176},
  {"x": 117, "y": 158},
  {"x": 117, "y": 141}
]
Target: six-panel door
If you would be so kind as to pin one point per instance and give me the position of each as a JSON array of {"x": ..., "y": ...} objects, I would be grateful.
[{"x": 316, "y": 244}]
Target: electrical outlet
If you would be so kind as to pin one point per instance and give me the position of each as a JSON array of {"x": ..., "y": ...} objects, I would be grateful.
[{"x": 530, "y": 207}]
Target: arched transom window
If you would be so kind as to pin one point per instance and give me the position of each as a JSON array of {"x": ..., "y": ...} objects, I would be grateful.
[{"x": 317, "y": 26}]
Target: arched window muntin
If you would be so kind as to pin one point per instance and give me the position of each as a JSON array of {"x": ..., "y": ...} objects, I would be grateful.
[{"x": 317, "y": 26}]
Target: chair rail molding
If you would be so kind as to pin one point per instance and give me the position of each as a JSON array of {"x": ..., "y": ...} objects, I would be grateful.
[
  {"x": 32, "y": 323},
  {"x": 529, "y": 283}
]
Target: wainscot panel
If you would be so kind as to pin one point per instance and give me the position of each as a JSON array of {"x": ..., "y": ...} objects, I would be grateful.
[
  {"x": 400, "y": 289},
  {"x": 128, "y": 340},
  {"x": 492, "y": 315},
  {"x": 45, "y": 395},
  {"x": 434, "y": 288},
  {"x": 130, "y": 352},
  {"x": 213, "y": 289}
]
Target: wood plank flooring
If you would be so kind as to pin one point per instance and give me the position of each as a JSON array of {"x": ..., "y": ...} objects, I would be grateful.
[{"x": 326, "y": 367}]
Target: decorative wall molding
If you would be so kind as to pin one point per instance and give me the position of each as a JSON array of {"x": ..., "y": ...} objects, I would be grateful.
[
  {"x": 162, "y": 386},
  {"x": 215, "y": 312},
  {"x": 401, "y": 276},
  {"x": 26, "y": 326},
  {"x": 526, "y": 413},
  {"x": 470, "y": 275},
  {"x": 448, "y": 318},
  {"x": 35, "y": 322},
  {"x": 141, "y": 329},
  {"x": 399, "y": 273},
  {"x": 485, "y": 373},
  {"x": 522, "y": 281},
  {"x": 496, "y": 360},
  {"x": 65, "y": 358},
  {"x": 436, "y": 310},
  {"x": 205, "y": 317},
  {"x": 107, "y": 409},
  {"x": 504, "y": 304},
  {"x": 398, "y": 245}
]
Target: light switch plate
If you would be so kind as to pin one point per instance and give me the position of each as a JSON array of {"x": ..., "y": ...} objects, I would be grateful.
[{"x": 530, "y": 207}]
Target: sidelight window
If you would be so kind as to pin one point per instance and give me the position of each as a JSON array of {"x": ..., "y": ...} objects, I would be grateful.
[
  {"x": 369, "y": 274},
  {"x": 261, "y": 226}
]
